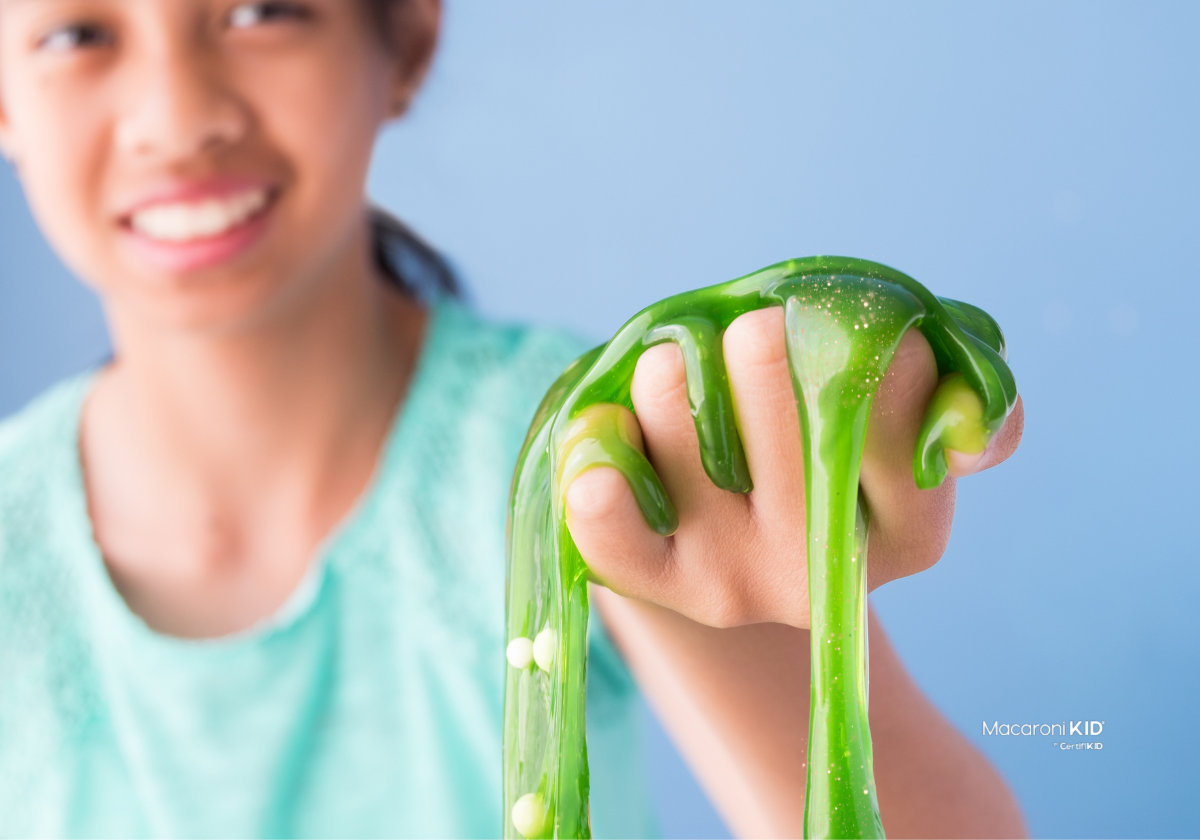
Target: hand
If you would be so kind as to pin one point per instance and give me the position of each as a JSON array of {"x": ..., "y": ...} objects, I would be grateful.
[{"x": 741, "y": 559}]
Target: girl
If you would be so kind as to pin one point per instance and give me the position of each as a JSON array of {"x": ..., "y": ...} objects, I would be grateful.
[{"x": 251, "y": 570}]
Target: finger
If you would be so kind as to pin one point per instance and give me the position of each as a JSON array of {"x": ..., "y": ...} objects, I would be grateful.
[
  {"x": 659, "y": 392},
  {"x": 612, "y": 536},
  {"x": 1002, "y": 445},
  {"x": 899, "y": 407},
  {"x": 909, "y": 527},
  {"x": 626, "y": 556},
  {"x": 768, "y": 420}
]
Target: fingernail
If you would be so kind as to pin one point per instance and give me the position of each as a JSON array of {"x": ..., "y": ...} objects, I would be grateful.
[
  {"x": 580, "y": 497},
  {"x": 960, "y": 464}
]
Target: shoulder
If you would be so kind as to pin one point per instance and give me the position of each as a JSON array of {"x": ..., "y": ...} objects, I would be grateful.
[
  {"x": 439, "y": 513},
  {"x": 38, "y": 470},
  {"x": 35, "y": 441},
  {"x": 503, "y": 349},
  {"x": 503, "y": 370},
  {"x": 41, "y": 509},
  {"x": 476, "y": 390},
  {"x": 45, "y": 652}
]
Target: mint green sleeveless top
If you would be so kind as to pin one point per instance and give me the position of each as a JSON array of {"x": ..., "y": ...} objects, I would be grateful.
[{"x": 368, "y": 706}]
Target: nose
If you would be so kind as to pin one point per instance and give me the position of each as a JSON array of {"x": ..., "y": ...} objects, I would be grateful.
[{"x": 180, "y": 108}]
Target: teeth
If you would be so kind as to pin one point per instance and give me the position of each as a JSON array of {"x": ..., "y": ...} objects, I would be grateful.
[{"x": 185, "y": 221}]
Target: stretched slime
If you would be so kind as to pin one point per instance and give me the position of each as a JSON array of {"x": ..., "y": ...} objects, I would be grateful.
[{"x": 844, "y": 320}]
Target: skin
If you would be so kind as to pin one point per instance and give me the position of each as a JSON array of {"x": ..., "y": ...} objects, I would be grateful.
[
  {"x": 248, "y": 400},
  {"x": 714, "y": 619}
]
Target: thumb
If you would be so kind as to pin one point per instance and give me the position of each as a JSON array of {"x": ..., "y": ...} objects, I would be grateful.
[{"x": 612, "y": 536}]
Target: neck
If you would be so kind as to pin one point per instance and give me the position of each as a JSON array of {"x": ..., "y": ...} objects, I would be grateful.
[{"x": 281, "y": 423}]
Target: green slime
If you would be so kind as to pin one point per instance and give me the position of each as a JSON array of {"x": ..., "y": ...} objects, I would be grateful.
[{"x": 844, "y": 319}]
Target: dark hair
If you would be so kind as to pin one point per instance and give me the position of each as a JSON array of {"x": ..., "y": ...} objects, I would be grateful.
[
  {"x": 380, "y": 8},
  {"x": 380, "y": 14},
  {"x": 400, "y": 255},
  {"x": 408, "y": 260}
]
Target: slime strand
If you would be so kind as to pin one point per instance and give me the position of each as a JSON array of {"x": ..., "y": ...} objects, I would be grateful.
[{"x": 844, "y": 320}]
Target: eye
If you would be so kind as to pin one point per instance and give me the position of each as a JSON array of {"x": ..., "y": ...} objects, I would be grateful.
[
  {"x": 76, "y": 36},
  {"x": 253, "y": 14}
]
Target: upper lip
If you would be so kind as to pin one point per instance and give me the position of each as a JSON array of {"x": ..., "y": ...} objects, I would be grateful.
[{"x": 190, "y": 191}]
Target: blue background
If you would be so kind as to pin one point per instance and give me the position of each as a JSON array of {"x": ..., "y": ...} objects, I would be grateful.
[{"x": 1037, "y": 159}]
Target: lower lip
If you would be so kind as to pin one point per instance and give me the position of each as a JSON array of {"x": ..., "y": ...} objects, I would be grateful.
[{"x": 198, "y": 254}]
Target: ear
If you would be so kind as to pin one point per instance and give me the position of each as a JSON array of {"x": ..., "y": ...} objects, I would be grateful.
[
  {"x": 7, "y": 144},
  {"x": 415, "y": 25}
]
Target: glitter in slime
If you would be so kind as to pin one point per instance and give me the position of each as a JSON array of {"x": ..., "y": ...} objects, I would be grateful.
[{"x": 844, "y": 320}]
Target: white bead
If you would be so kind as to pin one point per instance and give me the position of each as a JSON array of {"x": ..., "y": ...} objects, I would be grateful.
[
  {"x": 529, "y": 815},
  {"x": 519, "y": 652},
  {"x": 545, "y": 648}
]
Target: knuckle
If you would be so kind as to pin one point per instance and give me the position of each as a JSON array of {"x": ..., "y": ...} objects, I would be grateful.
[
  {"x": 925, "y": 554},
  {"x": 702, "y": 585},
  {"x": 724, "y": 614},
  {"x": 728, "y": 602},
  {"x": 916, "y": 544}
]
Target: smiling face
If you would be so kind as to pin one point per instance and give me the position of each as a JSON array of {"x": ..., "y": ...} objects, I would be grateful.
[{"x": 201, "y": 163}]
